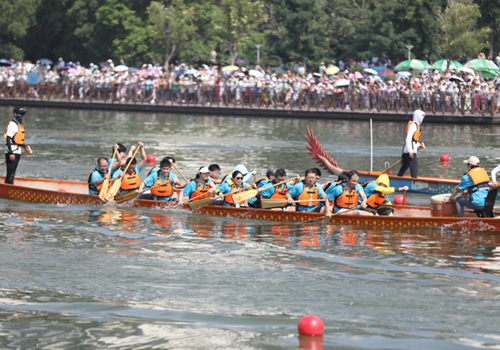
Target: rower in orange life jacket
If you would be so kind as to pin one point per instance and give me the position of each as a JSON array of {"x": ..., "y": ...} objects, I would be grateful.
[
  {"x": 376, "y": 193},
  {"x": 98, "y": 175},
  {"x": 234, "y": 184},
  {"x": 14, "y": 135},
  {"x": 308, "y": 192},
  {"x": 199, "y": 187},
  {"x": 477, "y": 182},
  {"x": 413, "y": 133},
  {"x": 261, "y": 183},
  {"x": 165, "y": 179},
  {"x": 346, "y": 195}
]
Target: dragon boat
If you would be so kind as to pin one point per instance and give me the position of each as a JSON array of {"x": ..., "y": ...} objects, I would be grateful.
[
  {"x": 422, "y": 184},
  {"x": 70, "y": 192}
]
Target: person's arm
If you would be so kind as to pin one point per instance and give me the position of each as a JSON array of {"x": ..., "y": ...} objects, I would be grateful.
[
  {"x": 389, "y": 190},
  {"x": 119, "y": 159},
  {"x": 141, "y": 187},
  {"x": 494, "y": 175},
  {"x": 409, "y": 139},
  {"x": 143, "y": 155},
  {"x": 363, "y": 198},
  {"x": 215, "y": 181},
  {"x": 454, "y": 195},
  {"x": 333, "y": 169}
]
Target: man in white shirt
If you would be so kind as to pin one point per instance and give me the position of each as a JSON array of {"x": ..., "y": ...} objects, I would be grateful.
[
  {"x": 14, "y": 135},
  {"x": 409, "y": 156}
]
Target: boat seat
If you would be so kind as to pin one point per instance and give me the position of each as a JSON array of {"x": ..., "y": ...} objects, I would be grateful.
[{"x": 487, "y": 211}]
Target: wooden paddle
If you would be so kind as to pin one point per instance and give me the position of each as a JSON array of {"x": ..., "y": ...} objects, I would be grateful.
[
  {"x": 250, "y": 194},
  {"x": 206, "y": 201},
  {"x": 116, "y": 185},
  {"x": 120, "y": 198},
  {"x": 404, "y": 198},
  {"x": 28, "y": 150},
  {"x": 272, "y": 203},
  {"x": 422, "y": 146},
  {"x": 105, "y": 184},
  {"x": 180, "y": 173}
]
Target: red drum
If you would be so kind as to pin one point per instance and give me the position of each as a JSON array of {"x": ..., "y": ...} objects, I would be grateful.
[{"x": 441, "y": 208}]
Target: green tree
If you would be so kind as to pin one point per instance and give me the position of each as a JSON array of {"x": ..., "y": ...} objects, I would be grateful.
[
  {"x": 458, "y": 35},
  {"x": 236, "y": 24},
  {"x": 490, "y": 11},
  {"x": 171, "y": 27},
  {"x": 17, "y": 16}
]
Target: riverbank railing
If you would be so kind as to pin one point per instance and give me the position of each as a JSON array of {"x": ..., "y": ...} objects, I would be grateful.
[{"x": 308, "y": 99}]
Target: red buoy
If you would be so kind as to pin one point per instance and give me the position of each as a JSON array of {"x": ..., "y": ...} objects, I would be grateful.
[
  {"x": 444, "y": 158},
  {"x": 399, "y": 200},
  {"x": 311, "y": 325},
  {"x": 151, "y": 159}
]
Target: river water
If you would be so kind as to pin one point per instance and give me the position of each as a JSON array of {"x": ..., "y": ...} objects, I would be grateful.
[{"x": 86, "y": 277}]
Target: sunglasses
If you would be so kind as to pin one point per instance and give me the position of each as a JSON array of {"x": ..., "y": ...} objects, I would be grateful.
[{"x": 238, "y": 178}]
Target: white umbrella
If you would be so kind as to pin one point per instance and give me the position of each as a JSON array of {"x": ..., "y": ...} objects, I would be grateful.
[
  {"x": 407, "y": 74},
  {"x": 317, "y": 74},
  {"x": 255, "y": 73},
  {"x": 371, "y": 71},
  {"x": 466, "y": 70},
  {"x": 342, "y": 82},
  {"x": 120, "y": 68}
]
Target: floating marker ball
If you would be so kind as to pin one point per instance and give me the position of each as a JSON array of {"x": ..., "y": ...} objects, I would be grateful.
[
  {"x": 444, "y": 158},
  {"x": 399, "y": 200},
  {"x": 151, "y": 159},
  {"x": 311, "y": 325}
]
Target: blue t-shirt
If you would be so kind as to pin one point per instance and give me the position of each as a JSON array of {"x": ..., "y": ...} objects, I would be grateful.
[
  {"x": 96, "y": 175},
  {"x": 226, "y": 188},
  {"x": 192, "y": 186},
  {"x": 339, "y": 189},
  {"x": 296, "y": 190},
  {"x": 478, "y": 197},
  {"x": 370, "y": 190},
  {"x": 151, "y": 180},
  {"x": 270, "y": 191},
  {"x": 262, "y": 183}
]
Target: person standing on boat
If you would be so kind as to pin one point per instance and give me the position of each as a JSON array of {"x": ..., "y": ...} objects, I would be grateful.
[
  {"x": 14, "y": 135},
  {"x": 477, "y": 182},
  {"x": 413, "y": 133}
]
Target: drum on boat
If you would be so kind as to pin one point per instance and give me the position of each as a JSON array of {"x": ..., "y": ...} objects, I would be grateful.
[{"x": 441, "y": 208}]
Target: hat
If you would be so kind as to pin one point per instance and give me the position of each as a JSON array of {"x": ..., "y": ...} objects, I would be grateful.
[
  {"x": 19, "y": 110},
  {"x": 472, "y": 160},
  {"x": 204, "y": 170}
]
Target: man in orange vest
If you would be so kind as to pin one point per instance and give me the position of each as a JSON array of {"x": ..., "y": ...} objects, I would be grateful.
[
  {"x": 14, "y": 135},
  {"x": 477, "y": 182},
  {"x": 409, "y": 156}
]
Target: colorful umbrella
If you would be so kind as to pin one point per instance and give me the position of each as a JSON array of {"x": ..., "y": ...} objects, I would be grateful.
[
  {"x": 481, "y": 64},
  {"x": 442, "y": 65},
  {"x": 239, "y": 60},
  {"x": 45, "y": 61},
  {"x": 332, "y": 70},
  {"x": 412, "y": 64},
  {"x": 386, "y": 73},
  {"x": 191, "y": 71},
  {"x": 356, "y": 75},
  {"x": 141, "y": 72},
  {"x": 72, "y": 70},
  {"x": 230, "y": 68}
]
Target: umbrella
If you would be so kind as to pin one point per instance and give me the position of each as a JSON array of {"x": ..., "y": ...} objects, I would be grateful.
[
  {"x": 153, "y": 71},
  {"x": 65, "y": 68},
  {"x": 200, "y": 72},
  {"x": 239, "y": 60},
  {"x": 317, "y": 74},
  {"x": 406, "y": 74},
  {"x": 386, "y": 73},
  {"x": 466, "y": 70},
  {"x": 332, "y": 70},
  {"x": 356, "y": 75},
  {"x": 45, "y": 61},
  {"x": 255, "y": 73},
  {"x": 342, "y": 82},
  {"x": 455, "y": 78},
  {"x": 412, "y": 64},
  {"x": 179, "y": 72},
  {"x": 481, "y": 64},
  {"x": 191, "y": 71},
  {"x": 371, "y": 71},
  {"x": 72, "y": 65},
  {"x": 141, "y": 72},
  {"x": 230, "y": 68},
  {"x": 104, "y": 66},
  {"x": 490, "y": 73},
  {"x": 5, "y": 63},
  {"x": 133, "y": 70},
  {"x": 72, "y": 70},
  {"x": 121, "y": 68},
  {"x": 442, "y": 65}
]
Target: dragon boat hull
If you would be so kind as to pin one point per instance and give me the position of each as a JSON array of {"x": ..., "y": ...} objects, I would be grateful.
[{"x": 69, "y": 192}]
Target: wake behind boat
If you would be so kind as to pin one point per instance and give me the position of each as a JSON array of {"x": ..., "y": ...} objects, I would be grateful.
[{"x": 71, "y": 192}]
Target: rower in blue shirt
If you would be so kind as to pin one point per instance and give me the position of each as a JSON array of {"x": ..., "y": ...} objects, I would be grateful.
[{"x": 308, "y": 191}]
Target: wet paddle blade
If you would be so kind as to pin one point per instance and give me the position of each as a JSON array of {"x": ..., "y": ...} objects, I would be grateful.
[
  {"x": 201, "y": 203},
  {"x": 244, "y": 196},
  {"x": 273, "y": 203},
  {"x": 126, "y": 197},
  {"x": 104, "y": 190},
  {"x": 113, "y": 191}
]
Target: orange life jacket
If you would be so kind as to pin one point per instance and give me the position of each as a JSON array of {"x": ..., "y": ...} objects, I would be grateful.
[
  {"x": 479, "y": 177},
  {"x": 229, "y": 198},
  {"x": 91, "y": 185},
  {"x": 131, "y": 182},
  {"x": 200, "y": 190},
  {"x": 162, "y": 191},
  {"x": 280, "y": 194},
  {"x": 416, "y": 135},
  {"x": 19, "y": 136},
  {"x": 347, "y": 199},
  {"x": 308, "y": 195},
  {"x": 376, "y": 200}
]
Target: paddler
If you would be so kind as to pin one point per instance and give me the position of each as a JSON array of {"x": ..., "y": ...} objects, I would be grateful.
[
  {"x": 163, "y": 177},
  {"x": 376, "y": 193},
  {"x": 278, "y": 192},
  {"x": 477, "y": 182},
  {"x": 243, "y": 170},
  {"x": 413, "y": 133},
  {"x": 215, "y": 173},
  {"x": 119, "y": 161},
  {"x": 234, "y": 184},
  {"x": 100, "y": 173},
  {"x": 310, "y": 191},
  {"x": 348, "y": 194},
  {"x": 137, "y": 166},
  {"x": 131, "y": 180},
  {"x": 261, "y": 183},
  {"x": 200, "y": 186},
  {"x": 14, "y": 137}
]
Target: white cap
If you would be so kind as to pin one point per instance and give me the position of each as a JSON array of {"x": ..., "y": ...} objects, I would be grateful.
[
  {"x": 204, "y": 170},
  {"x": 472, "y": 160}
]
